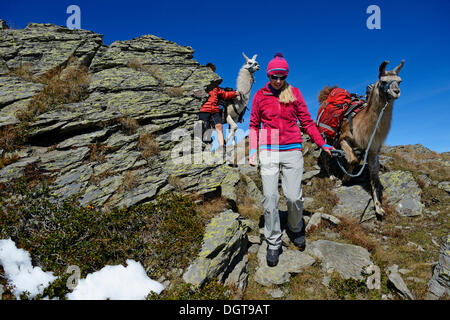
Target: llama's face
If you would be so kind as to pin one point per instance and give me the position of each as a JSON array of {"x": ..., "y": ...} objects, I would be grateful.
[
  {"x": 251, "y": 64},
  {"x": 391, "y": 85},
  {"x": 389, "y": 81}
]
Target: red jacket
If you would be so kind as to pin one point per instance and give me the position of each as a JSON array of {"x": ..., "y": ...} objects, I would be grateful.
[
  {"x": 279, "y": 122},
  {"x": 212, "y": 105}
]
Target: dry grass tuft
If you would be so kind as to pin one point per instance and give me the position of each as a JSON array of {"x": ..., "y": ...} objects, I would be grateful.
[
  {"x": 356, "y": 233},
  {"x": 320, "y": 190},
  {"x": 96, "y": 179},
  {"x": 174, "y": 92},
  {"x": 7, "y": 160},
  {"x": 208, "y": 209},
  {"x": 153, "y": 69},
  {"x": 129, "y": 181},
  {"x": 148, "y": 145},
  {"x": 176, "y": 182},
  {"x": 11, "y": 137},
  {"x": 129, "y": 125},
  {"x": 24, "y": 73},
  {"x": 97, "y": 152},
  {"x": 64, "y": 84}
]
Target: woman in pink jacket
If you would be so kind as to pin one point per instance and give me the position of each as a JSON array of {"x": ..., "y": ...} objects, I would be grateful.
[{"x": 276, "y": 110}]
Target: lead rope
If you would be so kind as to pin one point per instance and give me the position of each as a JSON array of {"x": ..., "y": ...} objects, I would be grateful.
[{"x": 367, "y": 150}]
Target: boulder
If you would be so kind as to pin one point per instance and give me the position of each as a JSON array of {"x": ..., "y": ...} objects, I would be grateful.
[
  {"x": 439, "y": 284},
  {"x": 354, "y": 202},
  {"x": 330, "y": 218},
  {"x": 268, "y": 276},
  {"x": 146, "y": 85},
  {"x": 222, "y": 254},
  {"x": 444, "y": 185},
  {"x": 314, "y": 221},
  {"x": 396, "y": 282},
  {"x": 403, "y": 192},
  {"x": 290, "y": 262},
  {"x": 46, "y": 46},
  {"x": 308, "y": 175},
  {"x": 346, "y": 259}
]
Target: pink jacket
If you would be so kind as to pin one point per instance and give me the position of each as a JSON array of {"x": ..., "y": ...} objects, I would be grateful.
[{"x": 279, "y": 122}]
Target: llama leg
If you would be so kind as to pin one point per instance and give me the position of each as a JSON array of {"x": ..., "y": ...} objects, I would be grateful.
[
  {"x": 324, "y": 163},
  {"x": 374, "y": 169},
  {"x": 351, "y": 159},
  {"x": 233, "y": 126}
]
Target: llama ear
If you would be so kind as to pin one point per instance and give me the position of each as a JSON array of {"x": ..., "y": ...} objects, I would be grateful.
[
  {"x": 254, "y": 57},
  {"x": 246, "y": 58},
  {"x": 399, "y": 67},
  {"x": 382, "y": 68}
]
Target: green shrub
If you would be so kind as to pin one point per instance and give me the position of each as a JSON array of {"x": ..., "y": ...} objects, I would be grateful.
[
  {"x": 212, "y": 290},
  {"x": 348, "y": 288},
  {"x": 162, "y": 235}
]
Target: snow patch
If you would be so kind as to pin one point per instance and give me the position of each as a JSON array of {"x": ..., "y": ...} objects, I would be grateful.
[
  {"x": 20, "y": 272},
  {"x": 111, "y": 282},
  {"x": 116, "y": 283}
]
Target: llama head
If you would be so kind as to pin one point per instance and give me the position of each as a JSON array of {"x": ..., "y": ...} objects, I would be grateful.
[
  {"x": 251, "y": 64},
  {"x": 389, "y": 81}
]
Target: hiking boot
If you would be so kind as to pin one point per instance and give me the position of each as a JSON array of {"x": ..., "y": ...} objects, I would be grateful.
[
  {"x": 273, "y": 256},
  {"x": 297, "y": 238}
]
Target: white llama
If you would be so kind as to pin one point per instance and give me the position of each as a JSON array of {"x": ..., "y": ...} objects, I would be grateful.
[{"x": 237, "y": 107}]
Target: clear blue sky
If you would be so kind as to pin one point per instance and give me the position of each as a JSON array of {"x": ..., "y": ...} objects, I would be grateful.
[{"x": 324, "y": 42}]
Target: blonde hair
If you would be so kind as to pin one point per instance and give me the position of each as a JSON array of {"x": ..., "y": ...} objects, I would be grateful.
[{"x": 286, "y": 95}]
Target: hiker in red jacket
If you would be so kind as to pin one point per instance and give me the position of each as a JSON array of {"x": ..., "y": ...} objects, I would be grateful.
[
  {"x": 209, "y": 112},
  {"x": 276, "y": 110}
]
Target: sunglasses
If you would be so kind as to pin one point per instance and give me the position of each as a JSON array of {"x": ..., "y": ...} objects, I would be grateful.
[{"x": 274, "y": 77}]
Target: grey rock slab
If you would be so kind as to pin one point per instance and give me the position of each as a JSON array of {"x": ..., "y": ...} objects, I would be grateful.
[
  {"x": 146, "y": 188},
  {"x": 117, "y": 79},
  {"x": 120, "y": 140},
  {"x": 72, "y": 182},
  {"x": 439, "y": 284},
  {"x": 223, "y": 245},
  {"x": 239, "y": 276},
  {"x": 334, "y": 220},
  {"x": 98, "y": 194},
  {"x": 403, "y": 192},
  {"x": 291, "y": 261},
  {"x": 314, "y": 221},
  {"x": 8, "y": 113},
  {"x": 13, "y": 89},
  {"x": 82, "y": 140},
  {"x": 346, "y": 259},
  {"x": 307, "y": 202},
  {"x": 308, "y": 175},
  {"x": 268, "y": 276},
  {"x": 64, "y": 161},
  {"x": 275, "y": 293},
  {"x": 396, "y": 281},
  {"x": 146, "y": 50},
  {"x": 444, "y": 185},
  {"x": 354, "y": 202},
  {"x": 15, "y": 170},
  {"x": 118, "y": 161},
  {"x": 46, "y": 46}
]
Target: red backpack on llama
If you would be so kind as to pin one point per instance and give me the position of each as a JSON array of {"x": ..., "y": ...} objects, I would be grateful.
[{"x": 332, "y": 113}]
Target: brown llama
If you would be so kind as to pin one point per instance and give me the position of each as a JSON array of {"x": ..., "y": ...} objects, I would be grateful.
[{"x": 385, "y": 91}]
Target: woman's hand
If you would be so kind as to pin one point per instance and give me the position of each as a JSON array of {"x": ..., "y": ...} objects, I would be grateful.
[
  {"x": 327, "y": 148},
  {"x": 252, "y": 160}
]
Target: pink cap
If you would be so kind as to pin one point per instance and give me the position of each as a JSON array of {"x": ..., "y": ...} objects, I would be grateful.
[{"x": 278, "y": 65}]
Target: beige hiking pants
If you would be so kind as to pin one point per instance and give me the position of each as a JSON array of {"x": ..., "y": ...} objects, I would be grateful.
[{"x": 291, "y": 164}]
